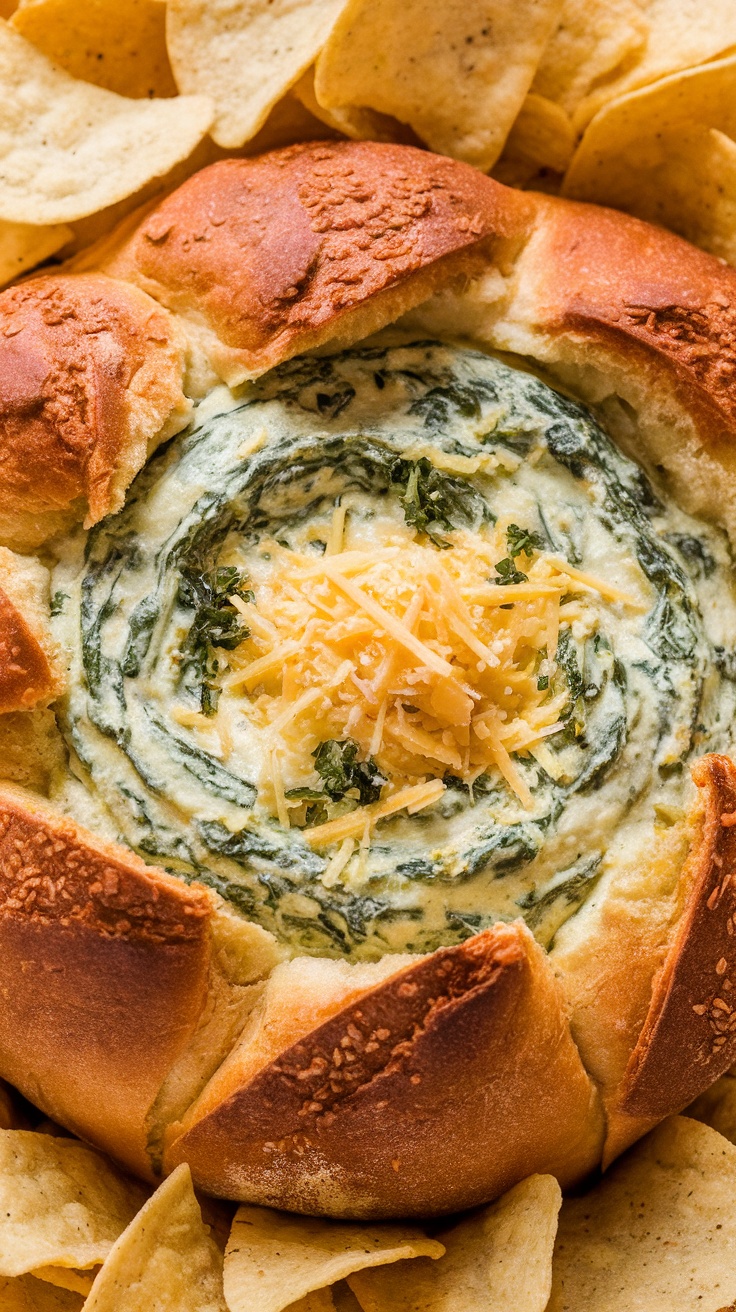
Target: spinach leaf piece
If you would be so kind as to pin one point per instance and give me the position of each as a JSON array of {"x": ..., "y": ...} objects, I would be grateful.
[
  {"x": 424, "y": 495},
  {"x": 519, "y": 542},
  {"x": 216, "y": 623},
  {"x": 522, "y": 541},
  {"x": 336, "y": 762}
]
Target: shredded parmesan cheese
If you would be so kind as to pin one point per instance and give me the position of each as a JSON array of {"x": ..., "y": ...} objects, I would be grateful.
[
  {"x": 414, "y": 653},
  {"x": 358, "y": 822}
]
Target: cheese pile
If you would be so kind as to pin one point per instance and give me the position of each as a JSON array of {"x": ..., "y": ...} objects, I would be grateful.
[{"x": 414, "y": 653}]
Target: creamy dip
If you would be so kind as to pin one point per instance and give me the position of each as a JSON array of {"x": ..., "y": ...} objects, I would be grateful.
[{"x": 390, "y": 646}]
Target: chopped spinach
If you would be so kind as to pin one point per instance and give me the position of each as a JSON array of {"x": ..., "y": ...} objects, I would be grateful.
[
  {"x": 423, "y": 493},
  {"x": 216, "y": 623},
  {"x": 519, "y": 542},
  {"x": 522, "y": 541},
  {"x": 336, "y": 762}
]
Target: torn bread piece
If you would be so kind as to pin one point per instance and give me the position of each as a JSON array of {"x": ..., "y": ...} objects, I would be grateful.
[
  {"x": 131, "y": 993},
  {"x": 341, "y": 1117}
]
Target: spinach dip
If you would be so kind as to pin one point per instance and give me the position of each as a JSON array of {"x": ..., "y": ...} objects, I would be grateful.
[{"x": 392, "y": 645}]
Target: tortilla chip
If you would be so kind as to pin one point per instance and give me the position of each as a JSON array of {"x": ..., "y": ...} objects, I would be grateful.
[
  {"x": 28, "y": 1295},
  {"x": 245, "y": 54},
  {"x": 593, "y": 40},
  {"x": 665, "y": 154},
  {"x": 11, "y": 1117},
  {"x": 274, "y": 1259},
  {"x": 343, "y": 1297},
  {"x": 70, "y": 149},
  {"x": 457, "y": 71},
  {"x": 320, "y": 1300},
  {"x": 682, "y": 34},
  {"x": 165, "y": 1260},
  {"x": 541, "y": 138},
  {"x": 717, "y": 1107},
  {"x": 23, "y": 246},
  {"x": 497, "y": 1259},
  {"x": 80, "y": 1282},
  {"x": 358, "y": 124},
  {"x": 658, "y": 1232},
  {"x": 117, "y": 44},
  {"x": 61, "y": 1203}
]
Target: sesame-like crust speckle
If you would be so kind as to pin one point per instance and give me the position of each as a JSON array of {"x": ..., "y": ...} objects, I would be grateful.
[
  {"x": 272, "y": 251},
  {"x": 70, "y": 348},
  {"x": 434, "y": 1091},
  {"x": 647, "y": 294},
  {"x": 50, "y": 872},
  {"x": 104, "y": 968}
]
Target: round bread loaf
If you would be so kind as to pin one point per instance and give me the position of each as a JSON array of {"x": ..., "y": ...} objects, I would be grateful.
[{"x": 347, "y": 953}]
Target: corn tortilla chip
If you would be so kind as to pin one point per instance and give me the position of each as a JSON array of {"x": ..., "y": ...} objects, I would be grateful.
[
  {"x": 274, "y": 1259},
  {"x": 80, "y": 1282},
  {"x": 664, "y": 154},
  {"x": 456, "y": 71},
  {"x": 682, "y": 34},
  {"x": 165, "y": 1260},
  {"x": 10, "y": 1117},
  {"x": 717, "y": 1107},
  {"x": 117, "y": 44},
  {"x": 320, "y": 1300},
  {"x": 61, "y": 1203},
  {"x": 593, "y": 39},
  {"x": 658, "y": 1232},
  {"x": 23, "y": 246},
  {"x": 68, "y": 149},
  {"x": 497, "y": 1259},
  {"x": 25, "y": 1294},
  {"x": 542, "y": 136},
  {"x": 359, "y": 124},
  {"x": 245, "y": 54},
  {"x": 343, "y": 1298},
  {"x": 684, "y": 180}
]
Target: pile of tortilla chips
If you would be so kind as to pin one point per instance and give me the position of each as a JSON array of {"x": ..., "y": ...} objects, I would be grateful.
[
  {"x": 106, "y": 103},
  {"x": 657, "y": 1232}
]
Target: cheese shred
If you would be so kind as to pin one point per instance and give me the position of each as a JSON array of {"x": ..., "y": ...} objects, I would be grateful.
[{"x": 416, "y": 654}]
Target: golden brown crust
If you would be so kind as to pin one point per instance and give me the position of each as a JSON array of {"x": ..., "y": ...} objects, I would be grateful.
[
  {"x": 645, "y": 293},
  {"x": 30, "y": 663},
  {"x": 103, "y": 976},
  {"x": 276, "y": 255},
  {"x": 90, "y": 378},
  {"x": 26, "y": 675},
  {"x": 689, "y": 1037},
  {"x": 435, "y": 1091}
]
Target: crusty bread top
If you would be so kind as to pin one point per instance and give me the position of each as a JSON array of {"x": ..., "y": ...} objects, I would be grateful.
[
  {"x": 31, "y": 671},
  {"x": 275, "y": 255},
  {"x": 53, "y": 871},
  {"x": 436, "y": 1089},
  {"x": 689, "y": 1038},
  {"x": 90, "y": 378},
  {"x": 26, "y": 676},
  {"x": 621, "y": 280}
]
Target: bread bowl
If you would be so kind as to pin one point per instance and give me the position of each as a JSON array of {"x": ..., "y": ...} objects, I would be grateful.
[{"x": 372, "y": 956}]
